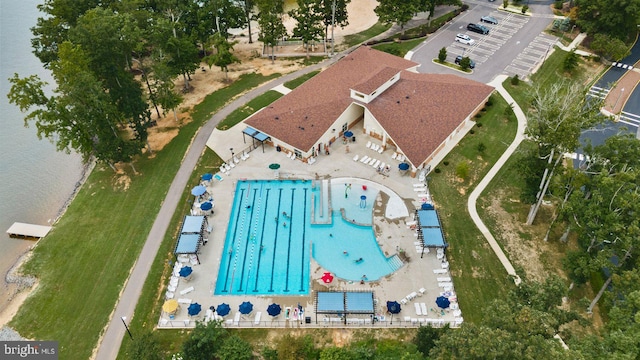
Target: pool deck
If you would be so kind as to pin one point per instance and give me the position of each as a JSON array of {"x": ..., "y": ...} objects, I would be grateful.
[{"x": 391, "y": 226}]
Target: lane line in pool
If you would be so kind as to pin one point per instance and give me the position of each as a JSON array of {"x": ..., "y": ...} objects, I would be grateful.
[
  {"x": 247, "y": 238},
  {"x": 275, "y": 239},
  {"x": 264, "y": 222},
  {"x": 233, "y": 237},
  {"x": 293, "y": 192},
  {"x": 304, "y": 233}
]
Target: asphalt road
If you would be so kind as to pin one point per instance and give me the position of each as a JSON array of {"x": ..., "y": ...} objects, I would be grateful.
[{"x": 516, "y": 45}]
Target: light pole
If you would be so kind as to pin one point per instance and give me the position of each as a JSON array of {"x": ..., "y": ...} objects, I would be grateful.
[
  {"x": 232, "y": 154},
  {"x": 333, "y": 24},
  {"x": 124, "y": 318}
]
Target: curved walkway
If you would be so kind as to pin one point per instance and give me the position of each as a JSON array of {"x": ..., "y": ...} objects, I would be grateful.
[{"x": 473, "y": 197}]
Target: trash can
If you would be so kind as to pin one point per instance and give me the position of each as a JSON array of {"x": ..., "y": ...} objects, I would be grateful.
[
  {"x": 353, "y": 139},
  {"x": 307, "y": 320}
]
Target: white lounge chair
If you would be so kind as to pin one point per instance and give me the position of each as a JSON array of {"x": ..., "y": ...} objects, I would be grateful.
[
  {"x": 372, "y": 161},
  {"x": 418, "y": 310},
  {"x": 169, "y": 295},
  {"x": 355, "y": 158},
  {"x": 231, "y": 164},
  {"x": 236, "y": 319},
  {"x": 376, "y": 164},
  {"x": 184, "y": 301},
  {"x": 380, "y": 149},
  {"x": 256, "y": 321},
  {"x": 423, "y": 307},
  {"x": 364, "y": 159},
  {"x": 187, "y": 290},
  {"x": 394, "y": 156},
  {"x": 368, "y": 144},
  {"x": 422, "y": 291},
  {"x": 236, "y": 160},
  {"x": 293, "y": 156}
]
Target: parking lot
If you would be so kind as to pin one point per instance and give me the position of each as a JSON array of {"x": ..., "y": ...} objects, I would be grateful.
[{"x": 486, "y": 45}]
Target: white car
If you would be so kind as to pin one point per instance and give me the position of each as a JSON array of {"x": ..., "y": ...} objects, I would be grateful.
[{"x": 465, "y": 39}]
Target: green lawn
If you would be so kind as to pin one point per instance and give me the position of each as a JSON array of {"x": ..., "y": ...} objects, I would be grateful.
[
  {"x": 478, "y": 275},
  {"x": 83, "y": 263},
  {"x": 249, "y": 108},
  {"x": 300, "y": 80},
  {"x": 355, "y": 39},
  {"x": 399, "y": 48}
]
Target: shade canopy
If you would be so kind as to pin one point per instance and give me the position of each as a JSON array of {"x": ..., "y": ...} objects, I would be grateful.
[
  {"x": 403, "y": 166},
  {"x": 198, "y": 190},
  {"x": 207, "y": 177},
  {"x": 348, "y": 134},
  {"x": 223, "y": 309},
  {"x": 274, "y": 166},
  {"x": 245, "y": 308},
  {"x": 206, "y": 206},
  {"x": 274, "y": 310},
  {"x": 327, "y": 278},
  {"x": 442, "y": 302},
  {"x": 194, "y": 309},
  {"x": 170, "y": 306},
  {"x": 186, "y": 271},
  {"x": 393, "y": 307}
]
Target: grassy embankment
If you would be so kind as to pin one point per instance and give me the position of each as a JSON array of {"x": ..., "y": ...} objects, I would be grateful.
[
  {"x": 504, "y": 191},
  {"x": 83, "y": 263}
]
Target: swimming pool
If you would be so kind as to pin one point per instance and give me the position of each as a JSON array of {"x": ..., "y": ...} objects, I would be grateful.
[{"x": 270, "y": 236}]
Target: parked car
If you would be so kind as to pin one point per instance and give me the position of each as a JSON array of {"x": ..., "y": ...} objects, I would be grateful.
[
  {"x": 465, "y": 39},
  {"x": 480, "y": 29},
  {"x": 489, "y": 20},
  {"x": 472, "y": 64}
]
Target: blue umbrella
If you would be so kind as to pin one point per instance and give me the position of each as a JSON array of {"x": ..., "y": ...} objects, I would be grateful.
[
  {"x": 348, "y": 134},
  {"x": 206, "y": 206},
  {"x": 274, "y": 310},
  {"x": 403, "y": 166},
  {"x": 194, "y": 309},
  {"x": 186, "y": 271},
  {"x": 442, "y": 302},
  {"x": 245, "y": 308},
  {"x": 223, "y": 309},
  {"x": 198, "y": 190},
  {"x": 393, "y": 307},
  {"x": 207, "y": 177}
]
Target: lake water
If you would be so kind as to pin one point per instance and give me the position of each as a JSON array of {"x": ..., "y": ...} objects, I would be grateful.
[{"x": 35, "y": 179}]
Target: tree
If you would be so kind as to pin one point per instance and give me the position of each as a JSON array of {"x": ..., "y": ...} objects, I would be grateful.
[
  {"x": 609, "y": 48},
  {"x": 571, "y": 61},
  {"x": 427, "y": 336},
  {"x": 223, "y": 56},
  {"x": 205, "y": 341},
  {"x": 556, "y": 119},
  {"x": 465, "y": 63},
  {"x": 442, "y": 55},
  {"x": 334, "y": 13},
  {"x": 233, "y": 347},
  {"x": 272, "y": 29},
  {"x": 81, "y": 116},
  {"x": 309, "y": 26},
  {"x": 397, "y": 11},
  {"x": 615, "y": 18},
  {"x": 145, "y": 346}
]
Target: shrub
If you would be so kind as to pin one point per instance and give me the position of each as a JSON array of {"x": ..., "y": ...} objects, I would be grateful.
[
  {"x": 442, "y": 55},
  {"x": 515, "y": 81},
  {"x": 445, "y": 163},
  {"x": 505, "y": 4},
  {"x": 472, "y": 131},
  {"x": 462, "y": 170},
  {"x": 524, "y": 9},
  {"x": 437, "y": 170},
  {"x": 464, "y": 7},
  {"x": 479, "y": 124},
  {"x": 557, "y": 4},
  {"x": 481, "y": 148},
  {"x": 571, "y": 61}
]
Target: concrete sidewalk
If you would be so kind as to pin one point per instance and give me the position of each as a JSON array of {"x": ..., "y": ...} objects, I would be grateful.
[{"x": 475, "y": 194}]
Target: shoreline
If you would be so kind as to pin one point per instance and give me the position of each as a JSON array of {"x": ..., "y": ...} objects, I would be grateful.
[{"x": 16, "y": 288}]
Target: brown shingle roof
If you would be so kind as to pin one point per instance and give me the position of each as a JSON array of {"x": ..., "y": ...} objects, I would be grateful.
[
  {"x": 421, "y": 110},
  {"x": 418, "y": 112},
  {"x": 367, "y": 86}
]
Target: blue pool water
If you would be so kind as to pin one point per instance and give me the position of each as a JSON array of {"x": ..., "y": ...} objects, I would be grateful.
[{"x": 271, "y": 236}]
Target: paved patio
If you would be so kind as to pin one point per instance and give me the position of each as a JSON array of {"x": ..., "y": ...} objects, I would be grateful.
[{"x": 393, "y": 216}]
